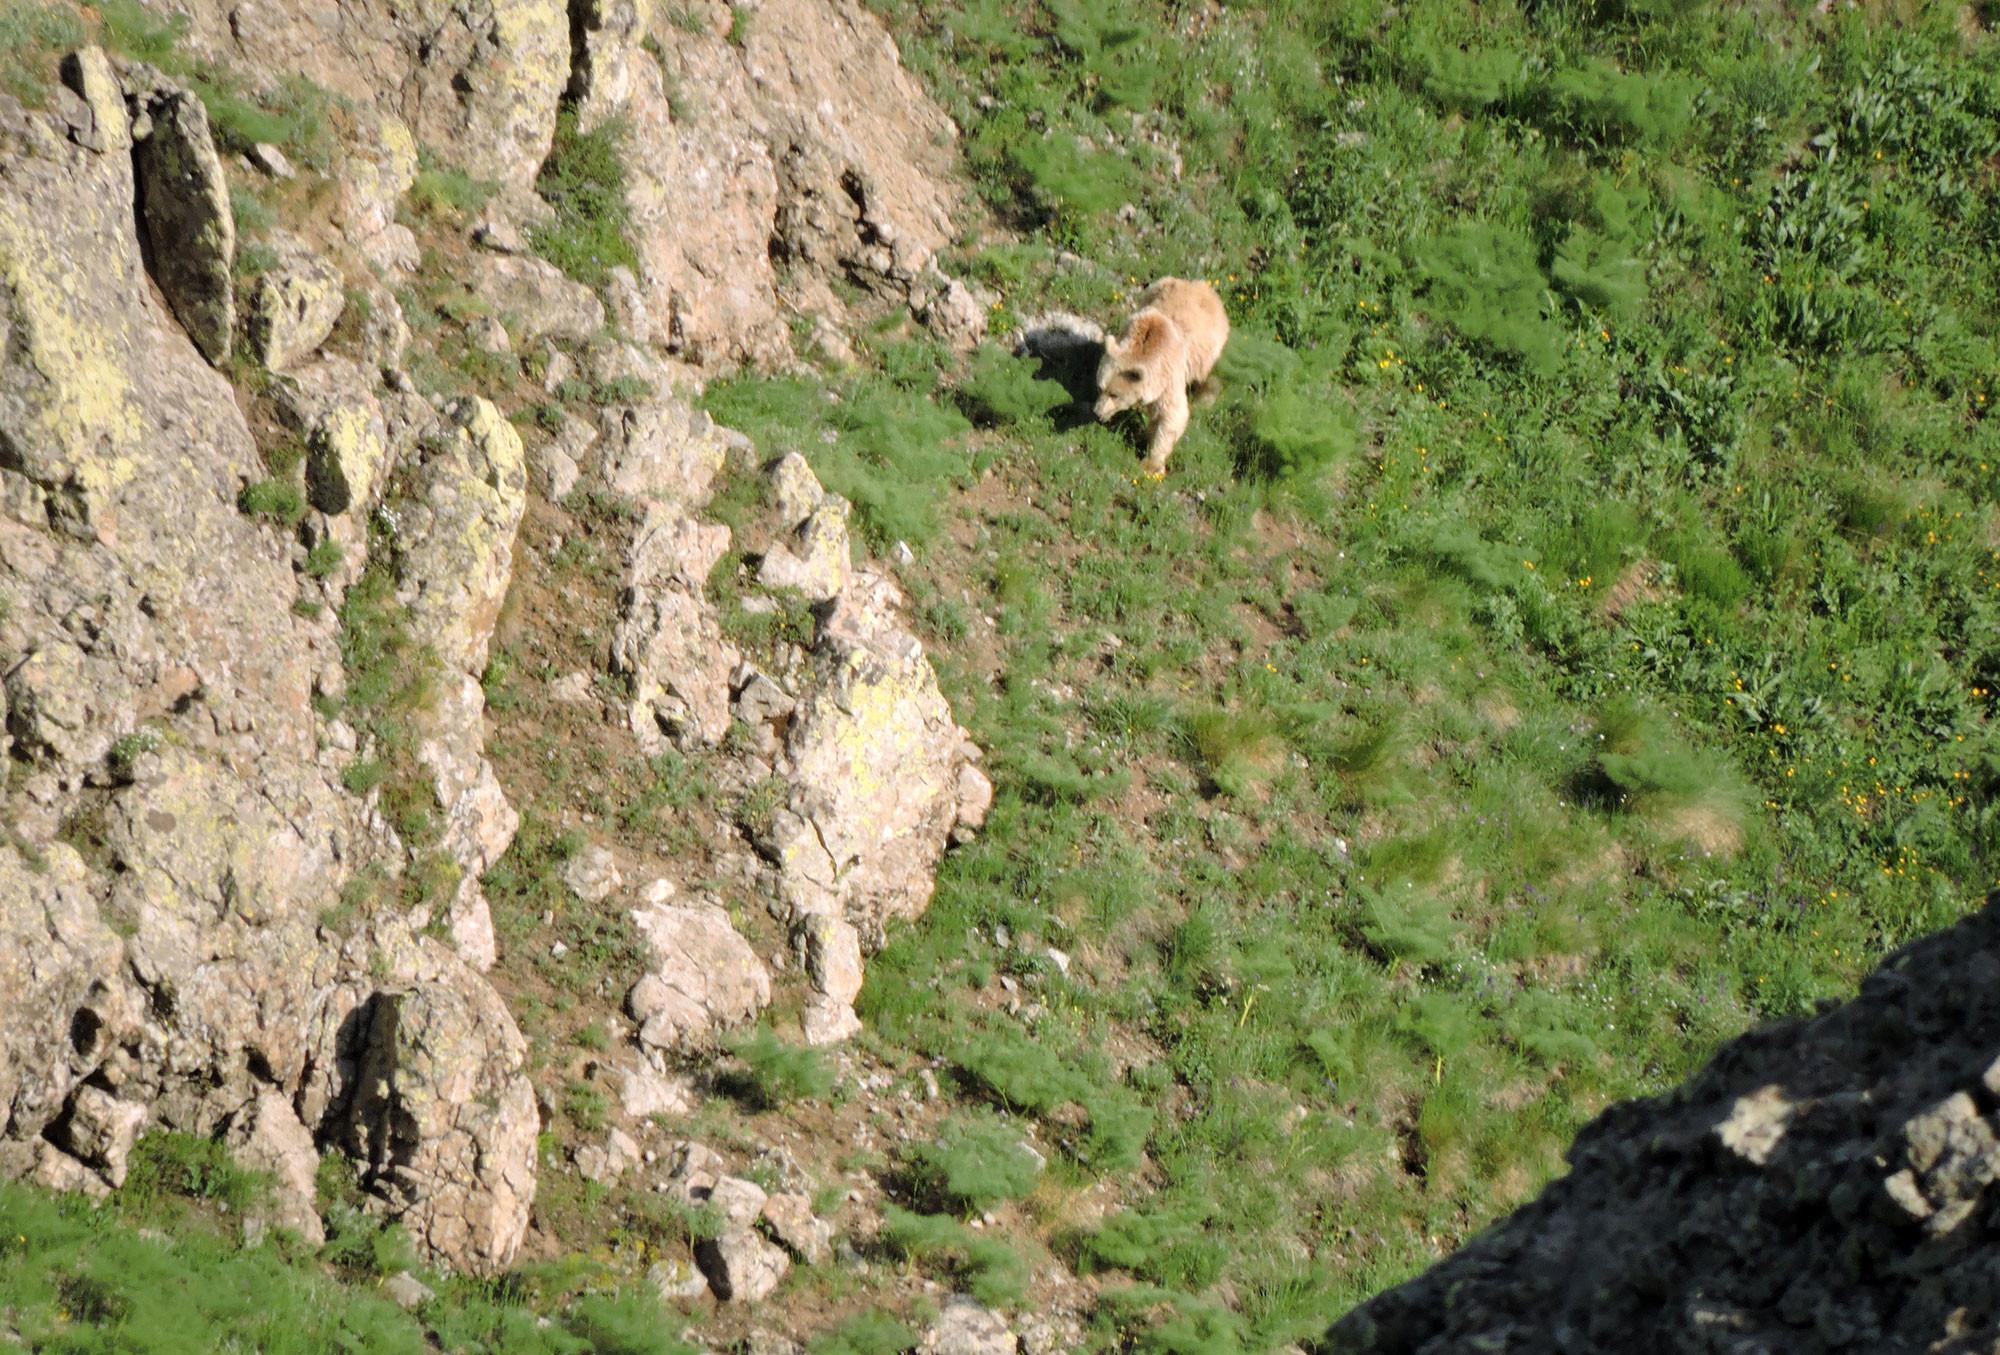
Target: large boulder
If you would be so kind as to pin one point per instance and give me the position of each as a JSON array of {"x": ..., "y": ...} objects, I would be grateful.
[
  {"x": 1825, "y": 1184},
  {"x": 703, "y": 976},
  {"x": 293, "y": 304},
  {"x": 872, "y": 756},
  {"x": 444, "y": 1120},
  {"x": 189, "y": 229}
]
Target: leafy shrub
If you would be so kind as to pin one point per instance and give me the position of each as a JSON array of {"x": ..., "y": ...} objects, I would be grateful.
[
  {"x": 984, "y": 1265},
  {"x": 1297, "y": 433},
  {"x": 870, "y": 1333},
  {"x": 776, "y": 1073},
  {"x": 625, "y": 1323},
  {"x": 448, "y": 194},
  {"x": 1001, "y": 389},
  {"x": 1483, "y": 280},
  {"x": 975, "y": 1162},
  {"x": 584, "y": 180}
]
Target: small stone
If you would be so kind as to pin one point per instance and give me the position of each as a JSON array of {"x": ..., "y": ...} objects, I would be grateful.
[
  {"x": 676, "y": 1281},
  {"x": 1060, "y": 959},
  {"x": 902, "y": 554},
  {"x": 407, "y": 1292},
  {"x": 488, "y": 335},
  {"x": 575, "y": 689},
  {"x": 499, "y": 235},
  {"x": 592, "y": 874},
  {"x": 272, "y": 161}
]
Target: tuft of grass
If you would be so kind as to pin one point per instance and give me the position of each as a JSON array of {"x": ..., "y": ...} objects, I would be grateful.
[
  {"x": 975, "y": 1162},
  {"x": 776, "y": 1073},
  {"x": 584, "y": 181},
  {"x": 984, "y": 1265},
  {"x": 33, "y": 38},
  {"x": 278, "y": 500}
]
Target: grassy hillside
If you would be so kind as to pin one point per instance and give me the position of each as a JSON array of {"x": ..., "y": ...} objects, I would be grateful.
[{"x": 1570, "y": 637}]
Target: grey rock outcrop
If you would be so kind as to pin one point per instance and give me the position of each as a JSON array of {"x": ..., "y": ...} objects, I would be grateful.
[
  {"x": 175, "y": 973},
  {"x": 799, "y": 153},
  {"x": 479, "y": 81},
  {"x": 1825, "y": 1184},
  {"x": 741, "y": 1266},
  {"x": 669, "y": 641},
  {"x": 455, "y": 558}
]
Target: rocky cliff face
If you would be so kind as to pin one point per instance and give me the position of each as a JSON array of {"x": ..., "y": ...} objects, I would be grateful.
[
  {"x": 187, "y": 814},
  {"x": 1824, "y": 1185}
]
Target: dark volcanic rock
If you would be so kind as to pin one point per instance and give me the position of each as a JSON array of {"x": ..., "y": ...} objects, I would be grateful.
[{"x": 1823, "y": 1185}]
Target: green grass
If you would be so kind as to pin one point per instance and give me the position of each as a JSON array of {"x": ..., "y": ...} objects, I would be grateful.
[
  {"x": 33, "y": 39},
  {"x": 584, "y": 180},
  {"x": 1566, "y": 639},
  {"x": 775, "y": 1073}
]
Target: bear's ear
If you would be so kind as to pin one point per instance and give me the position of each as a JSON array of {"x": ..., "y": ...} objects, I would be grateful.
[{"x": 1151, "y": 333}]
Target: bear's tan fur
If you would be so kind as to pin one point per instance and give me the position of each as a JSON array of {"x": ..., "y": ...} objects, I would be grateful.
[{"x": 1171, "y": 344}]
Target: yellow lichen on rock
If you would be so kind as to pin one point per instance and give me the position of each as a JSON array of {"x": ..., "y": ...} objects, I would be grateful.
[{"x": 83, "y": 420}]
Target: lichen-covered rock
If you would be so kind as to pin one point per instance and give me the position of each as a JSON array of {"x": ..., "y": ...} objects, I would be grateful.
[
  {"x": 332, "y": 404},
  {"x": 792, "y": 489},
  {"x": 189, "y": 228},
  {"x": 267, "y": 1136},
  {"x": 1825, "y": 1184},
  {"x": 872, "y": 755},
  {"x": 741, "y": 1266},
  {"x": 965, "y": 1327},
  {"x": 659, "y": 450},
  {"x": 378, "y": 164},
  {"x": 668, "y": 640},
  {"x": 703, "y": 976},
  {"x": 789, "y": 1219},
  {"x": 833, "y": 957},
  {"x": 455, "y": 558},
  {"x": 478, "y": 80},
  {"x": 534, "y": 297},
  {"x": 88, "y": 72},
  {"x": 798, "y": 153},
  {"x": 444, "y": 1121},
  {"x": 178, "y": 974},
  {"x": 817, "y": 559},
  {"x": 457, "y": 551},
  {"x": 293, "y": 305},
  {"x": 592, "y": 874}
]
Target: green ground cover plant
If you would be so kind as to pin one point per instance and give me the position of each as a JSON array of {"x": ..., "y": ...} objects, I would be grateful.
[{"x": 1568, "y": 637}]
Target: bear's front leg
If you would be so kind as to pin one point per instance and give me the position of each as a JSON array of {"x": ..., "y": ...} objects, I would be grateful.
[{"x": 1170, "y": 420}]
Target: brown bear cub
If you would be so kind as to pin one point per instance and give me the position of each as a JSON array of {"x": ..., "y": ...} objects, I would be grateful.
[{"x": 1171, "y": 344}]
